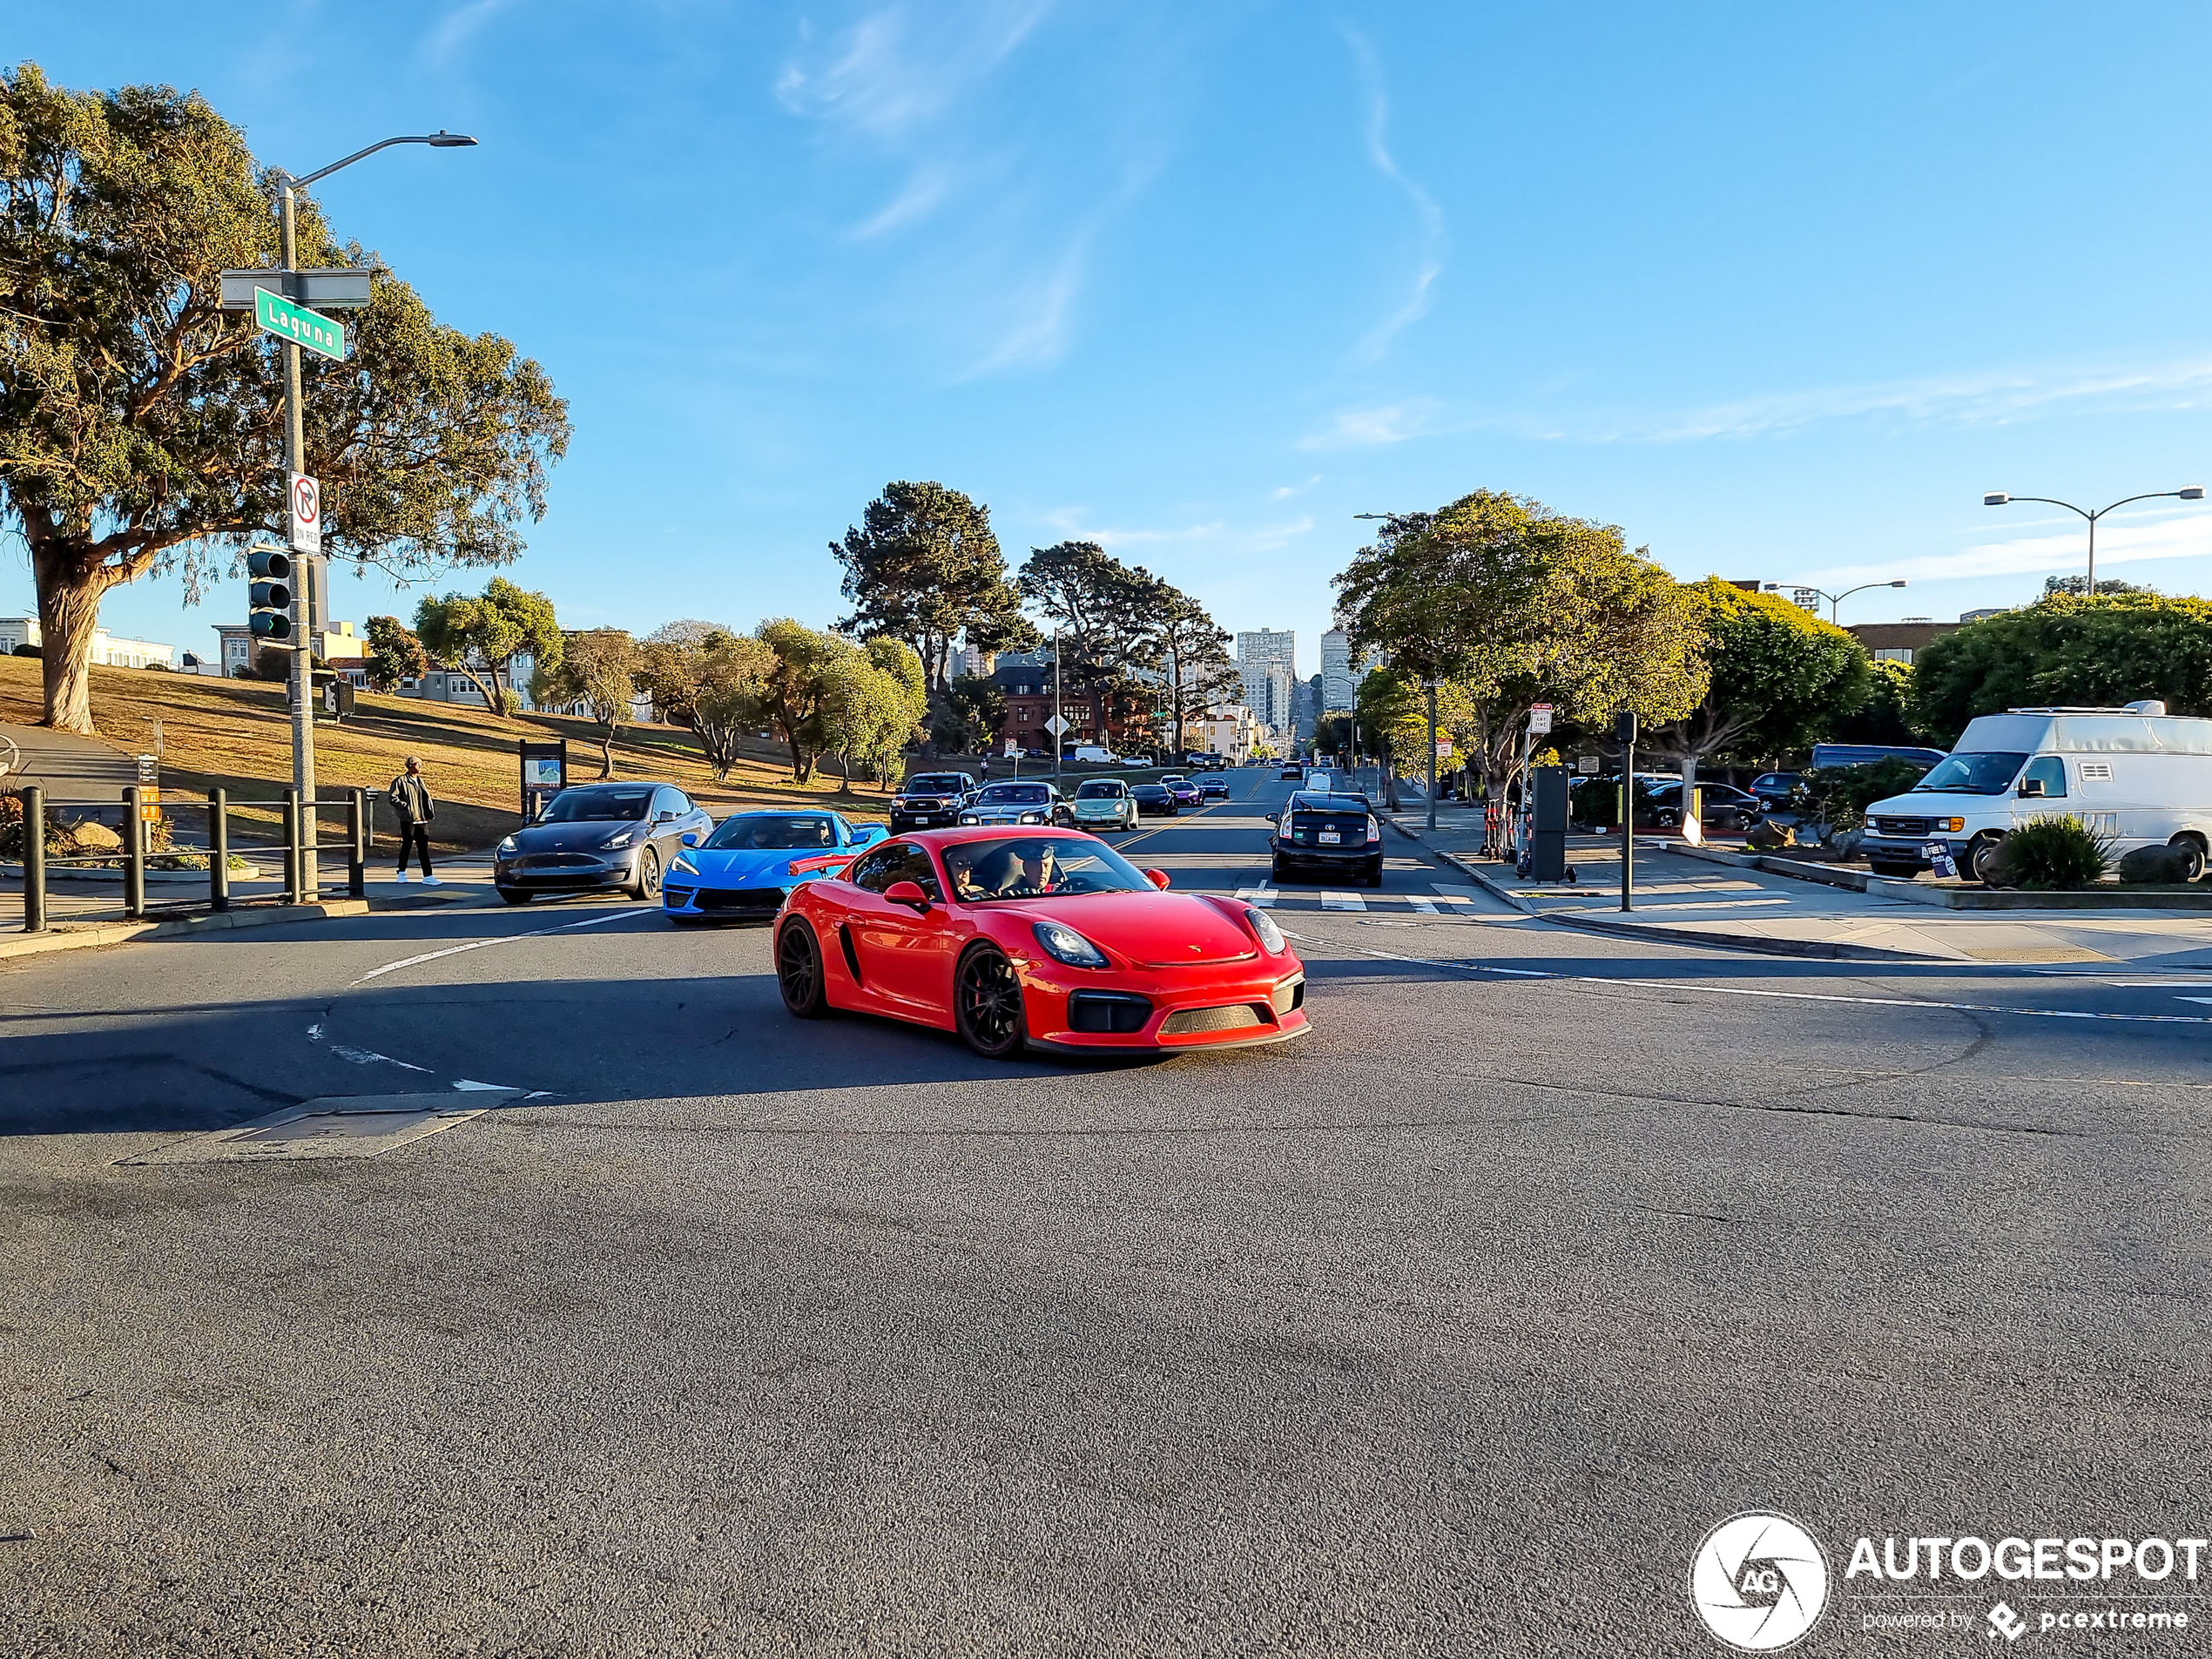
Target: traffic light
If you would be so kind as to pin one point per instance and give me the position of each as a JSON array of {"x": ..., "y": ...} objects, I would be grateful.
[{"x": 269, "y": 594}]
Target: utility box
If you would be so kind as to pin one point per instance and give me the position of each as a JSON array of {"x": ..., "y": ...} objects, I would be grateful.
[{"x": 1548, "y": 828}]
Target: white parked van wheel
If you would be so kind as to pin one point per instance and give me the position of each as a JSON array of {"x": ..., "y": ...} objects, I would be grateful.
[
  {"x": 2195, "y": 848},
  {"x": 1975, "y": 865}
]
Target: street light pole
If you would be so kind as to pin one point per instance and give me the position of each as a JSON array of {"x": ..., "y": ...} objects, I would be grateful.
[
  {"x": 1835, "y": 600},
  {"x": 1059, "y": 725},
  {"x": 295, "y": 460},
  {"x": 2187, "y": 492}
]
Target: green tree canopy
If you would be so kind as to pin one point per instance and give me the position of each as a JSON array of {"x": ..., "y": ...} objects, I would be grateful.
[
  {"x": 597, "y": 670},
  {"x": 872, "y": 704},
  {"x": 1107, "y": 616},
  {"x": 1198, "y": 673},
  {"x": 141, "y": 426},
  {"x": 394, "y": 653},
  {"x": 481, "y": 636},
  {"x": 924, "y": 567},
  {"x": 2067, "y": 650},
  {"x": 707, "y": 677},
  {"x": 795, "y": 677},
  {"x": 1886, "y": 714},
  {"x": 1510, "y": 604},
  {"x": 972, "y": 713},
  {"x": 1778, "y": 677}
]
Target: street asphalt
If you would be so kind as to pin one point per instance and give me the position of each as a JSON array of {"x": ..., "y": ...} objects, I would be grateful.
[{"x": 1450, "y": 1328}]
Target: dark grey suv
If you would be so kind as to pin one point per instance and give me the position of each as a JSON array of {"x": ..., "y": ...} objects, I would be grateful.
[{"x": 593, "y": 836}]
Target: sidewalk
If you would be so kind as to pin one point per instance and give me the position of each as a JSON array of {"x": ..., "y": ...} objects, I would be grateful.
[{"x": 1684, "y": 899}]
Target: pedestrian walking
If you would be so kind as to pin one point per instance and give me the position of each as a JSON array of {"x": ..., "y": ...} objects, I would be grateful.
[{"x": 410, "y": 798}]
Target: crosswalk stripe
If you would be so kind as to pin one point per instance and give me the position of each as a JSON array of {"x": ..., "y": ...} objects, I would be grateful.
[
  {"x": 1343, "y": 901},
  {"x": 1451, "y": 894},
  {"x": 1262, "y": 896},
  {"x": 1428, "y": 907}
]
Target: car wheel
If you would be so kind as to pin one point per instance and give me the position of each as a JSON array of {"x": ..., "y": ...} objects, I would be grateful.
[
  {"x": 987, "y": 1003},
  {"x": 1275, "y": 873},
  {"x": 1975, "y": 865},
  {"x": 515, "y": 895},
  {"x": 648, "y": 884},
  {"x": 2195, "y": 849},
  {"x": 1374, "y": 875},
  {"x": 799, "y": 972}
]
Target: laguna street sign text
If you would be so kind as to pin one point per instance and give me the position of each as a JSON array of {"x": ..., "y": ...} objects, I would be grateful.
[{"x": 298, "y": 325}]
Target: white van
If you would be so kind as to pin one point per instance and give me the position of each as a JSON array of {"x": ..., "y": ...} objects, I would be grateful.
[
  {"x": 2138, "y": 776},
  {"x": 1092, "y": 754}
]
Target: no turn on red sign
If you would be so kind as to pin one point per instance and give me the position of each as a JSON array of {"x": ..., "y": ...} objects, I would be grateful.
[{"x": 306, "y": 515}]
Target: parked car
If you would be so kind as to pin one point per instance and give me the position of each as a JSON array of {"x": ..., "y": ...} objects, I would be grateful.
[
  {"x": 1154, "y": 800},
  {"x": 1104, "y": 804},
  {"x": 1329, "y": 833},
  {"x": 1290, "y": 774},
  {"x": 1090, "y": 754},
  {"x": 1016, "y": 802},
  {"x": 1720, "y": 805},
  {"x": 2137, "y": 775},
  {"x": 1186, "y": 793},
  {"x": 593, "y": 836},
  {"x": 930, "y": 797},
  {"x": 1773, "y": 789},
  {"x": 1212, "y": 786},
  {"x": 749, "y": 866}
]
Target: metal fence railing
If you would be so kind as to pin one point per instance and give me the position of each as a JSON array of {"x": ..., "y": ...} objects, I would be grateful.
[{"x": 172, "y": 858}]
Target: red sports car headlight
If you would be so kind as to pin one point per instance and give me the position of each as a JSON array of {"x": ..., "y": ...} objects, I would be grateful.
[
  {"x": 1270, "y": 936},
  {"x": 1064, "y": 944}
]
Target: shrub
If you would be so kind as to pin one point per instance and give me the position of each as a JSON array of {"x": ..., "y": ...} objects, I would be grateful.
[
  {"x": 1840, "y": 795},
  {"x": 2050, "y": 855},
  {"x": 28, "y": 651},
  {"x": 2158, "y": 865}
]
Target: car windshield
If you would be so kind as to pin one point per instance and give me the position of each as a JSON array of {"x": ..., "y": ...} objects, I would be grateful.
[
  {"x": 936, "y": 783},
  {"x": 1973, "y": 775},
  {"x": 592, "y": 806},
  {"x": 774, "y": 832},
  {"x": 1034, "y": 867},
  {"x": 1151, "y": 791},
  {"x": 1100, "y": 789},
  {"x": 1015, "y": 795}
]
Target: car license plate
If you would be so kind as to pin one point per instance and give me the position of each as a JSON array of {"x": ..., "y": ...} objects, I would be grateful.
[{"x": 1330, "y": 838}]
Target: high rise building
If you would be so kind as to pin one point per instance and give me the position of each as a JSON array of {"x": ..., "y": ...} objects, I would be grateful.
[
  {"x": 1338, "y": 684},
  {"x": 1268, "y": 660}
]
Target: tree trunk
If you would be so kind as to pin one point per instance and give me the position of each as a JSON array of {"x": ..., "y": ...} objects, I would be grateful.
[
  {"x": 68, "y": 615},
  {"x": 607, "y": 752}
]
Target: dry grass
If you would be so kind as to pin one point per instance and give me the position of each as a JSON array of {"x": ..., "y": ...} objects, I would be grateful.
[{"x": 237, "y": 735}]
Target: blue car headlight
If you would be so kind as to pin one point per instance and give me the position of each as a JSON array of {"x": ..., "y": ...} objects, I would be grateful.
[{"x": 683, "y": 867}]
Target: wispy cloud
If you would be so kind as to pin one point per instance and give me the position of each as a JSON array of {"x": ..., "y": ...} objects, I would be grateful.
[
  {"x": 2169, "y": 535},
  {"x": 451, "y": 35},
  {"x": 886, "y": 76},
  {"x": 1389, "y": 423},
  {"x": 1071, "y": 523},
  {"x": 1430, "y": 263},
  {"x": 923, "y": 192},
  {"x": 1286, "y": 491}
]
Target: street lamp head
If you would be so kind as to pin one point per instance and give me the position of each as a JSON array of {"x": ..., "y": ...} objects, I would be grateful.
[
  {"x": 1995, "y": 498},
  {"x": 1769, "y": 586},
  {"x": 1898, "y": 583},
  {"x": 2194, "y": 492},
  {"x": 446, "y": 140}
]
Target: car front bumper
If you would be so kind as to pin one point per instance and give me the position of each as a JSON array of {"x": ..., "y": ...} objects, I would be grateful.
[
  {"x": 565, "y": 871},
  {"x": 1910, "y": 849},
  {"x": 1184, "y": 1008},
  {"x": 680, "y": 897}
]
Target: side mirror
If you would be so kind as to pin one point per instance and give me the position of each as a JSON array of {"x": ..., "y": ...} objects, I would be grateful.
[
  {"x": 665, "y": 818},
  {"x": 2031, "y": 789},
  {"x": 1157, "y": 877},
  {"x": 907, "y": 893},
  {"x": 690, "y": 838},
  {"x": 869, "y": 835}
]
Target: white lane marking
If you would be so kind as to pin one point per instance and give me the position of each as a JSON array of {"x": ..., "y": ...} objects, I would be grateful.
[
  {"x": 470, "y": 1083},
  {"x": 359, "y": 1057},
  {"x": 1808, "y": 996},
  {"x": 1343, "y": 901},
  {"x": 1426, "y": 907},
  {"x": 486, "y": 944},
  {"x": 1452, "y": 894},
  {"x": 1263, "y": 895}
]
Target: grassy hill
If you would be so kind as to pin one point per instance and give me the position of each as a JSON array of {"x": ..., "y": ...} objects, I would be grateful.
[{"x": 237, "y": 735}]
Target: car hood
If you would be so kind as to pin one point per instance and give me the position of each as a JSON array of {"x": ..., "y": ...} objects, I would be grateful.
[
  {"x": 583, "y": 837},
  {"x": 1934, "y": 803},
  {"x": 751, "y": 864},
  {"x": 1102, "y": 804},
  {"x": 1151, "y": 929}
]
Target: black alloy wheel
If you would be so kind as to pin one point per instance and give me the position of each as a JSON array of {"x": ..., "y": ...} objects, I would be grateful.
[
  {"x": 987, "y": 1003},
  {"x": 798, "y": 971},
  {"x": 648, "y": 886},
  {"x": 515, "y": 895}
]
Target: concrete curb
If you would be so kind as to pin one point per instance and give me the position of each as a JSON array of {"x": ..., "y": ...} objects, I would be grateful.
[
  {"x": 1661, "y": 933},
  {"x": 124, "y": 933},
  {"x": 1903, "y": 892}
]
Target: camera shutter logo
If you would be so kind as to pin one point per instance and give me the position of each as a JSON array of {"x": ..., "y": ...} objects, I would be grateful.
[{"x": 1759, "y": 1581}]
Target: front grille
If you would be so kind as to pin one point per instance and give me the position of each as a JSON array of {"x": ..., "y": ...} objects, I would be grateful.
[
  {"x": 1116, "y": 1012},
  {"x": 743, "y": 899},
  {"x": 676, "y": 896},
  {"x": 1902, "y": 825},
  {"x": 559, "y": 862},
  {"x": 1291, "y": 994},
  {"x": 1234, "y": 1017}
]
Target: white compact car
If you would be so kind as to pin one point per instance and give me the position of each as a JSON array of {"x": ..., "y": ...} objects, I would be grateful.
[{"x": 2139, "y": 776}]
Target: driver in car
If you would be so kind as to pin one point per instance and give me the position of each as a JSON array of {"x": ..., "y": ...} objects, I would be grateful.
[{"x": 1012, "y": 872}]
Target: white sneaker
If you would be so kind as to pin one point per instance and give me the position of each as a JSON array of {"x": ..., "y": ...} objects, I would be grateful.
[
  {"x": 405, "y": 878},
  {"x": 432, "y": 881}
]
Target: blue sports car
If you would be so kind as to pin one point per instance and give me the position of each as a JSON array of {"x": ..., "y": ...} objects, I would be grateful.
[{"x": 753, "y": 859}]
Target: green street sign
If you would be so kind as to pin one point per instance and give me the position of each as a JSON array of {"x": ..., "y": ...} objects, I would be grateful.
[{"x": 298, "y": 325}]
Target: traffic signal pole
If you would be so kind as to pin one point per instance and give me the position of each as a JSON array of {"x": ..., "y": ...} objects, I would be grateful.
[{"x": 303, "y": 645}]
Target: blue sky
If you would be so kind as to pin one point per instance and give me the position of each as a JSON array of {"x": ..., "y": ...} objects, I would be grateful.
[{"x": 1780, "y": 290}]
